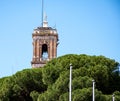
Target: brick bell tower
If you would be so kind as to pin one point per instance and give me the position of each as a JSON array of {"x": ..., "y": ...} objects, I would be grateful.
[{"x": 45, "y": 41}]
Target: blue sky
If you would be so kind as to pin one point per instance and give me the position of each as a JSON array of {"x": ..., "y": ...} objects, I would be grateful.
[{"x": 84, "y": 26}]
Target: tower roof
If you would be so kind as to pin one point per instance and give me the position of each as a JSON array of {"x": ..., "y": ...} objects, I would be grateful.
[{"x": 45, "y": 31}]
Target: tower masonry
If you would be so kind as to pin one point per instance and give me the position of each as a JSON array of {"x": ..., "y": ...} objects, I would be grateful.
[{"x": 45, "y": 41}]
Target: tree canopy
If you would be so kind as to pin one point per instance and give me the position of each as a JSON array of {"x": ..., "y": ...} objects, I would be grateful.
[{"x": 51, "y": 82}]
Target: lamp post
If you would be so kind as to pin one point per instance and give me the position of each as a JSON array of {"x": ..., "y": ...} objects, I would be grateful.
[
  {"x": 119, "y": 69},
  {"x": 93, "y": 92},
  {"x": 113, "y": 97},
  {"x": 70, "y": 84}
]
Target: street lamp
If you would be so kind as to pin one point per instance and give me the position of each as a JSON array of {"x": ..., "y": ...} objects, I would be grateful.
[
  {"x": 93, "y": 94},
  {"x": 119, "y": 69},
  {"x": 113, "y": 97},
  {"x": 70, "y": 84}
]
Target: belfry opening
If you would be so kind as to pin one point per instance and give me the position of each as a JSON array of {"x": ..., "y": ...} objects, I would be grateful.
[{"x": 44, "y": 52}]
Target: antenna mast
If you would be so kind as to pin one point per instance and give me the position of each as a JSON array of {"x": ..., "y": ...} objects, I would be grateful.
[
  {"x": 42, "y": 11},
  {"x": 44, "y": 16}
]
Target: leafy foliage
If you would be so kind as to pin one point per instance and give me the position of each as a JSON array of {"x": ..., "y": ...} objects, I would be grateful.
[
  {"x": 19, "y": 86},
  {"x": 51, "y": 83}
]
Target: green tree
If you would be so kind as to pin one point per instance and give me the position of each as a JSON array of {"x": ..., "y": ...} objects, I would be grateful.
[
  {"x": 51, "y": 83},
  {"x": 34, "y": 95}
]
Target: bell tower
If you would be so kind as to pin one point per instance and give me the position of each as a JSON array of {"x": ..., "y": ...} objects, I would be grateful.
[{"x": 45, "y": 41}]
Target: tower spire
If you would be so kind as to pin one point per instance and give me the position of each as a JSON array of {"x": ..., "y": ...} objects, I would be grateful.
[{"x": 45, "y": 23}]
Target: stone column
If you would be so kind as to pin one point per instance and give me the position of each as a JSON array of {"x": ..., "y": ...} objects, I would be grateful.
[
  {"x": 55, "y": 48},
  {"x": 48, "y": 51},
  {"x": 40, "y": 52},
  {"x": 37, "y": 51},
  {"x": 33, "y": 49}
]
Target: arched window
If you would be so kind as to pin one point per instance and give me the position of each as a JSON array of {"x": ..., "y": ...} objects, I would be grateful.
[{"x": 44, "y": 52}]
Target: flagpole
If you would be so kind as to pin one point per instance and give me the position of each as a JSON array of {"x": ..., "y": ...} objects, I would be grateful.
[
  {"x": 70, "y": 84},
  {"x": 93, "y": 90},
  {"x": 113, "y": 97}
]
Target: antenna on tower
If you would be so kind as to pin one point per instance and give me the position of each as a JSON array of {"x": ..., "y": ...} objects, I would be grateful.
[
  {"x": 42, "y": 11},
  {"x": 44, "y": 16}
]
